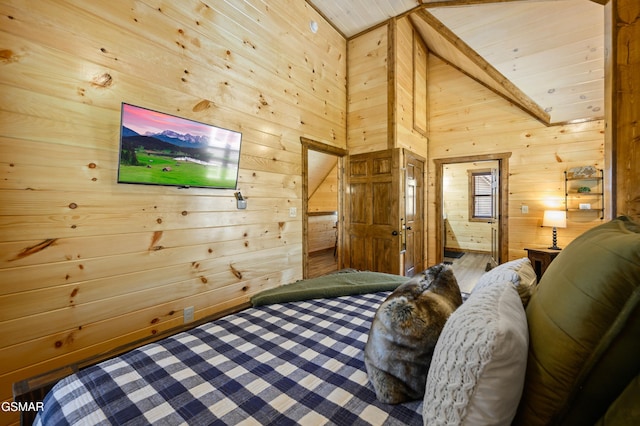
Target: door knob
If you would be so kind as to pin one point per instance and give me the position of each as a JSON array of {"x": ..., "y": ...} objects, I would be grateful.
[
  {"x": 409, "y": 228},
  {"x": 394, "y": 233}
]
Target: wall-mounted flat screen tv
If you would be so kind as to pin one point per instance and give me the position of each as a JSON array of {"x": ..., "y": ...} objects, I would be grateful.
[{"x": 162, "y": 149}]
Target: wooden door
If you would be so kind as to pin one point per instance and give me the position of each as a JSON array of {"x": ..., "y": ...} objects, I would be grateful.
[
  {"x": 372, "y": 220},
  {"x": 414, "y": 215},
  {"x": 495, "y": 217}
]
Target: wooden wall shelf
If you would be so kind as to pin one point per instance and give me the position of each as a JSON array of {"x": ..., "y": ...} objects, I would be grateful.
[{"x": 588, "y": 202}]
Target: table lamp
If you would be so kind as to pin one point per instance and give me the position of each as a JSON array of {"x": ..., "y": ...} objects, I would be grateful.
[{"x": 555, "y": 219}]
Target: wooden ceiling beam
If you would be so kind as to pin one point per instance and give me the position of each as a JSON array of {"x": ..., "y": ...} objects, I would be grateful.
[
  {"x": 509, "y": 90},
  {"x": 441, "y": 3}
]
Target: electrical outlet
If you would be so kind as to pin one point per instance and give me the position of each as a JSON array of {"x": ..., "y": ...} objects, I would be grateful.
[
  {"x": 293, "y": 212},
  {"x": 524, "y": 209},
  {"x": 188, "y": 314}
]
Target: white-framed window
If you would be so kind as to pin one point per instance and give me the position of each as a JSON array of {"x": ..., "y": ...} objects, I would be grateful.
[{"x": 480, "y": 202}]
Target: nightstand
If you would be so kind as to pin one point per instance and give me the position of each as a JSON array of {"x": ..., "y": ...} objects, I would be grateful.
[{"x": 541, "y": 259}]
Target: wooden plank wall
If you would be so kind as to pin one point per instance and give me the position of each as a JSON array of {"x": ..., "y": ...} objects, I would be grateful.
[
  {"x": 325, "y": 197},
  {"x": 367, "y": 117},
  {"x": 410, "y": 62},
  {"x": 323, "y": 207},
  {"x": 460, "y": 233},
  {"x": 86, "y": 264},
  {"x": 322, "y": 231},
  {"x": 466, "y": 119},
  {"x": 387, "y": 65}
]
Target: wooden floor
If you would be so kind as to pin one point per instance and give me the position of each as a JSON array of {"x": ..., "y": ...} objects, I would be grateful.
[
  {"x": 467, "y": 269},
  {"x": 322, "y": 262}
]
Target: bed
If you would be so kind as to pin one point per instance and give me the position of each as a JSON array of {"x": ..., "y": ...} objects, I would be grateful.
[{"x": 282, "y": 362}]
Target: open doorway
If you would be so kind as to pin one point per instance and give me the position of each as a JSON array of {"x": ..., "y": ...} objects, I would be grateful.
[
  {"x": 467, "y": 210},
  {"x": 322, "y": 207},
  {"x": 457, "y": 230}
]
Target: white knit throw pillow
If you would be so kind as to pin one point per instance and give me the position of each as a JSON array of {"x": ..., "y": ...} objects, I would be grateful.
[{"x": 478, "y": 367}]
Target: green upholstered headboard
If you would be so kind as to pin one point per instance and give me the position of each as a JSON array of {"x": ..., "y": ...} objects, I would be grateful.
[{"x": 584, "y": 325}]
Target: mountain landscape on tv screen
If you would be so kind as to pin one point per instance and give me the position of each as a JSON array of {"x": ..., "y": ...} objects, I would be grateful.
[
  {"x": 180, "y": 139},
  {"x": 169, "y": 142}
]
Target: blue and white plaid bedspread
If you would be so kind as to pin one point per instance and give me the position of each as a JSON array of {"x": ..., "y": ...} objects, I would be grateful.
[{"x": 283, "y": 364}]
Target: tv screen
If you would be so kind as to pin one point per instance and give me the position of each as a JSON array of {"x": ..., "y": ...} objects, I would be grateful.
[{"x": 162, "y": 149}]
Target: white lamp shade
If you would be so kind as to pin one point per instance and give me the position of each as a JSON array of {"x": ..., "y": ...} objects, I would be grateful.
[{"x": 555, "y": 218}]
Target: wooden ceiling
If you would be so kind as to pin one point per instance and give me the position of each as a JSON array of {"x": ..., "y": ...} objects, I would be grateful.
[
  {"x": 547, "y": 56},
  {"x": 320, "y": 165}
]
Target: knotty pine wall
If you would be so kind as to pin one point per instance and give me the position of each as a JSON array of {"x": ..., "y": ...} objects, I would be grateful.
[
  {"x": 323, "y": 216},
  {"x": 409, "y": 119},
  {"x": 87, "y": 264},
  {"x": 368, "y": 111},
  {"x": 322, "y": 231},
  {"x": 387, "y": 69},
  {"x": 325, "y": 197},
  {"x": 467, "y": 119}
]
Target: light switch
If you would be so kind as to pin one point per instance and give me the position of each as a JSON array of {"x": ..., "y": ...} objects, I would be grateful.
[
  {"x": 188, "y": 314},
  {"x": 524, "y": 209}
]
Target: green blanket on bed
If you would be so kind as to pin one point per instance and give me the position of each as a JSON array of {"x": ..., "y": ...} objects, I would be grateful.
[{"x": 333, "y": 285}]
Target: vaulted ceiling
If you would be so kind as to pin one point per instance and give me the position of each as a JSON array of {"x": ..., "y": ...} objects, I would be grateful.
[{"x": 547, "y": 56}]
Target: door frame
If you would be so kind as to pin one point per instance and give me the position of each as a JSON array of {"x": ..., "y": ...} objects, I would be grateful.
[
  {"x": 503, "y": 214},
  {"x": 310, "y": 144},
  {"x": 495, "y": 217}
]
